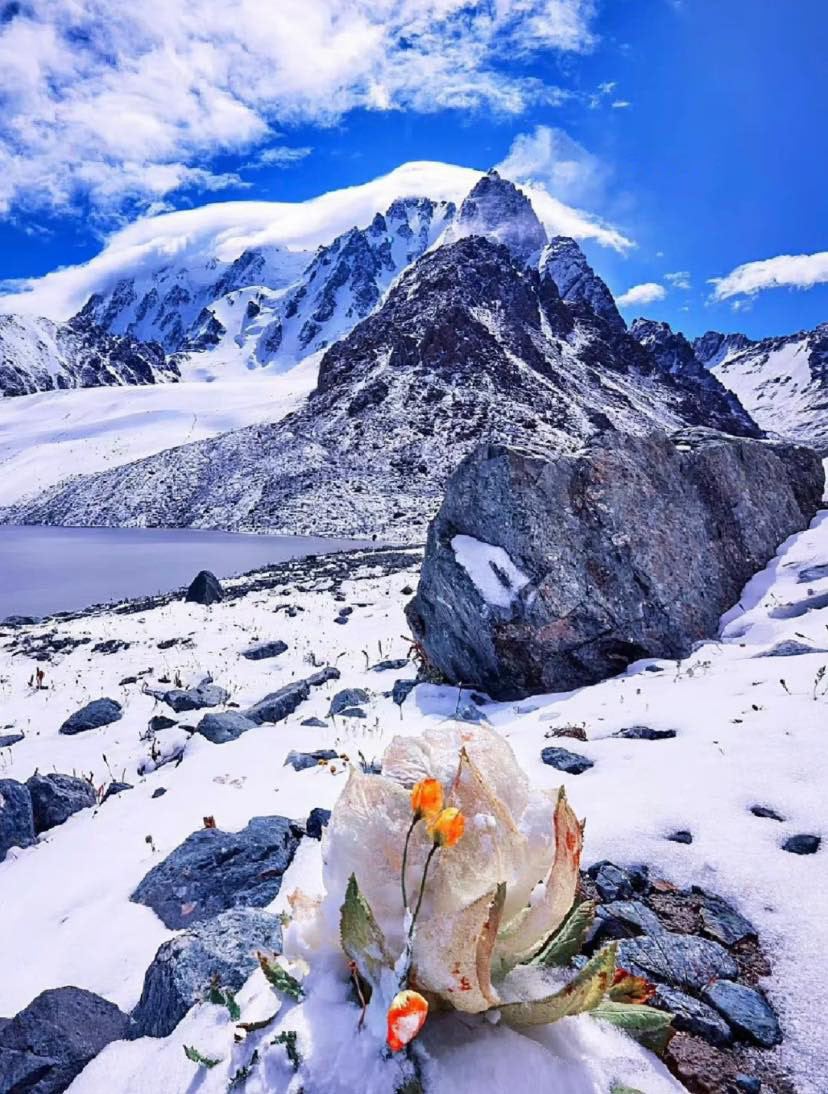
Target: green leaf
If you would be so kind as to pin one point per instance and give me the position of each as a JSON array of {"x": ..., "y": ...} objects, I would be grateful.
[
  {"x": 361, "y": 936},
  {"x": 648, "y": 1026},
  {"x": 223, "y": 998},
  {"x": 619, "y": 1088},
  {"x": 288, "y": 1038},
  {"x": 198, "y": 1058},
  {"x": 564, "y": 943},
  {"x": 584, "y": 992},
  {"x": 280, "y": 978},
  {"x": 233, "y": 1007}
]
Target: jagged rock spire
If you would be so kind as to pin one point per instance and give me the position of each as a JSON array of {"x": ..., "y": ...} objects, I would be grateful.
[
  {"x": 497, "y": 209},
  {"x": 579, "y": 285}
]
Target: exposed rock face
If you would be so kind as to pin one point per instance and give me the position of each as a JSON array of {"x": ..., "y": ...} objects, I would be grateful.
[
  {"x": 52, "y": 1040},
  {"x": 712, "y": 347},
  {"x": 498, "y": 210},
  {"x": 544, "y": 572},
  {"x": 224, "y": 948},
  {"x": 55, "y": 798},
  {"x": 16, "y": 818},
  {"x": 39, "y": 355},
  {"x": 579, "y": 285}
]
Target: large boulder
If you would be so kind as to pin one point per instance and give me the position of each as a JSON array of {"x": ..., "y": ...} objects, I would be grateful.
[
  {"x": 100, "y": 712},
  {"x": 56, "y": 797},
  {"x": 205, "y": 588},
  {"x": 223, "y": 948},
  {"x": 16, "y": 817},
  {"x": 52, "y": 1040},
  {"x": 213, "y": 870},
  {"x": 548, "y": 571}
]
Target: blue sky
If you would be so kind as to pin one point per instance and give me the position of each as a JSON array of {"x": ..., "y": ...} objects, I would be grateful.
[{"x": 695, "y": 128}]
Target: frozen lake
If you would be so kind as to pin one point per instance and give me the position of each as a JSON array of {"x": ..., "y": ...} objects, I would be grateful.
[{"x": 45, "y": 570}]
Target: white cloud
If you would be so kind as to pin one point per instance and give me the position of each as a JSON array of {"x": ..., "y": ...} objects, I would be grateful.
[
  {"x": 551, "y": 158},
  {"x": 278, "y": 156},
  {"x": 783, "y": 271},
  {"x": 105, "y": 101},
  {"x": 641, "y": 294},
  {"x": 225, "y": 229},
  {"x": 680, "y": 279},
  {"x": 620, "y": 104}
]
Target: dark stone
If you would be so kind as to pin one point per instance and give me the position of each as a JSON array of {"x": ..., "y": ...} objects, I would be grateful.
[
  {"x": 56, "y": 797},
  {"x": 693, "y": 1016},
  {"x": 630, "y": 548},
  {"x": 21, "y": 621},
  {"x": 682, "y": 960},
  {"x": 564, "y": 760},
  {"x": 301, "y": 760},
  {"x": 100, "y": 712},
  {"x": 205, "y": 589},
  {"x": 220, "y": 728},
  {"x": 279, "y": 704},
  {"x": 799, "y": 608},
  {"x": 813, "y": 573},
  {"x": 766, "y": 811},
  {"x": 611, "y": 882},
  {"x": 802, "y": 844},
  {"x": 213, "y": 870},
  {"x": 52, "y": 1040},
  {"x": 111, "y": 645},
  {"x": 180, "y": 974},
  {"x": 401, "y": 690},
  {"x": 790, "y": 648},
  {"x": 390, "y": 663},
  {"x": 406, "y": 590},
  {"x": 722, "y": 921},
  {"x": 748, "y": 1084},
  {"x": 127, "y": 680},
  {"x": 625, "y": 919},
  {"x": 159, "y": 792},
  {"x": 645, "y": 733},
  {"x": 207, "y": 694},
  {"x": 317, "y": 820},
  {"x": 352, "y": 712},
  {"x": 680, "y": 836},
  {"x": 348, "y": 697},
  {"x": 159, "y": 722},
  {"x": 317, "y": 723},
  {"x": 262, "y": 650},
  {"x": 10, "y": 739},
  {"x": 16, "y": 817},
  {"x": 746, "y": 1010},
  {"x": 116, "y": 788},
  {"x": 323, "y": 676}
]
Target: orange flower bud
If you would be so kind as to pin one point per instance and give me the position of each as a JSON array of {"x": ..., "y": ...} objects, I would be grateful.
[
  {"x": 448, "y": 827},
  {"x": 427, "y": 798},
  {"x": 406, "y": 1017}
]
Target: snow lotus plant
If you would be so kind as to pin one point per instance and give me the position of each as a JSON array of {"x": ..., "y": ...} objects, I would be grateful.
[{"x": 491, "y": 867}]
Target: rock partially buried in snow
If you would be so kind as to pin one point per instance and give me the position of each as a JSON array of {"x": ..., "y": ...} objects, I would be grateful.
[
  {"x": 205, "y": 588},
  {"x": 348, "y": 697},
  {"x": 547, "y": 571},
  {"x": 51, "y": 1040},
  {"x": 100, "y": 712},
  {"x": 803, "y": 844},
  {"x": 223, "y": 947},
  {"x": 260, "y": 651},
  {"x": 300, "y": 761},
  {"x": 564, "y": 760},
  {"x": 317, "y": 820},
  {"x": 645, "y": 733},
  {"x": 16, "y": 816},
  {"x": 207, "y": 694},
  {"x": 56, "y": 797},
  {"x": 279, "y": 704},
  {"x": 220, "y": 728},
  {"x": 213, "y": 870},
  {"x": 10, "y": 739},
  {"x": 748, "y": 1012}
]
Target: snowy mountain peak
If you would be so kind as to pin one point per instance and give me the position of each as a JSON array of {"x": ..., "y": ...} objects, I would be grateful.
[
  {"x": 566, "y": 264},
  {"x": 496, "y": 208},
  {"x": 713, "y": 347}
]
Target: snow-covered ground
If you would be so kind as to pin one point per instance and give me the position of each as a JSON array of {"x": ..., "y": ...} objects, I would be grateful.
[
  {"x": 750, "y": 730},
  {"x": 53, "y": 434}
]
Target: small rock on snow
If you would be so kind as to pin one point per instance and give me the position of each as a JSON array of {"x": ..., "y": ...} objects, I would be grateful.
[
  {"x": 802, "y": 844},
  {"x": 10, "y": 739},
  {"x": 100, "y": 712},
  {"x": 348, "y": 697},
  {"x": 299, "y": 761},
  {"x": 680, "y": 836},
  {"x": 564, "y": 760},
  {"x": 317, "y": 820},
  {"x": 645, "y": 733},
  {"x": 220, "y": 728},
  {"x": 766, "y": 811},
  {"x": 259, "y": 651}
]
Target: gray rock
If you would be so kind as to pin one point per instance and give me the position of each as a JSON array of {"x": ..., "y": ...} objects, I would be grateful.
[
  {"x": 746, "y": 1010},
  {"x": 213, "y": 870},
  {"x": 693, "y": 1016},
  {"x": 259, "y": 651},
  {"x": 748, "y": 1084},
  {"x": 723, "y": 922},
  {"x": 56, "y": 797},
  {"x": 611, "y": 881},
  {"x": 180, "y": 974},
  {"x": 631, "y": 548},
  {"x": 802, "y": 844},
  {"x": 205, "y": 589},
  {"x": 51, "y": 1040},
  {"x": 10, "y": 739},
  {"x": 680, "y": 836},
  {"x": 390, "y": 663},
  {"x": 401, "y": 690},
  {"x": 317, "y": 820},
  {"x": 14, "y": 621},
  {"x": 352, "y": 712},
  {"x": 791, "y": 648},
  {"x": 330, "y": 672},
  {"x": 316, "y": 723},
  {"x": 116, "y": 788},
  {"x": 645, "y": 733},
  {"x": 159, "y": 792},
  {"x": 220, "y": 728},
  {"x": 682, "y": 960},
  {"x": 159, "y": 722},
  {"x": 766, "y": 811},
  {"x": 279, "y": 704},
  {"x": 626, "y": 919},
  {"x": 16, "y": 816},
  {"x": 348, "y": 697},
  {"x": 564, "y": 760},
  {"x": 299, "y": 761},
  {"x": 207, "y": 694},
  {"x": 100, "y": 712},
  {"x": 813, "y": 573},
  {"x": 799, "y": 608}
]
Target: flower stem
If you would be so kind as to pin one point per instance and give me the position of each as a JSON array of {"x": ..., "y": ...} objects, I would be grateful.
[
  {"x": 434, "y": 847},
  {"x": 405, "y": 861}
]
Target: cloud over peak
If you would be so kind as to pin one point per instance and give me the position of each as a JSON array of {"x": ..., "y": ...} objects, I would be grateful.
[{"x": 783, "y": 271}]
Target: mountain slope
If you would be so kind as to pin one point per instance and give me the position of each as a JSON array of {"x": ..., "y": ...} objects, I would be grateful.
[
  {"x": 39, "y": 355},
  {"x": 469, "y": 344},
  {"x": 782, "y": 382}
]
